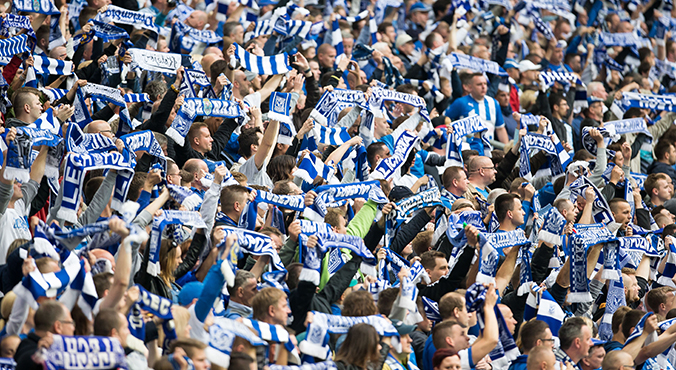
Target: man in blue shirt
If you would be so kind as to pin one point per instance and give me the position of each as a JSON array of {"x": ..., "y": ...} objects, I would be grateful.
[{"x": 478, "y": 103}]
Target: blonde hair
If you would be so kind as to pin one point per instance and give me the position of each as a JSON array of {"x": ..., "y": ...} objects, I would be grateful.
[{"x": 168, "y": 252}]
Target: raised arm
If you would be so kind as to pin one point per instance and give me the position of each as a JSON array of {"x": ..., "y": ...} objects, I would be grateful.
[{"x": 267, "y": 143}]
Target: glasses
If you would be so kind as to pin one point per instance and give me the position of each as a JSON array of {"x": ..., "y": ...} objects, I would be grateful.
[
  {"x": 548, "y": 340},
  {"x": 67, "y": 322},
  {"x": 629, "y": 367},
  {"x": 104, "y": 131}
]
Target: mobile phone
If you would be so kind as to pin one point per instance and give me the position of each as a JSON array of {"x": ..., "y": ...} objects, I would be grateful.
[{"x": 292, "y": 59}]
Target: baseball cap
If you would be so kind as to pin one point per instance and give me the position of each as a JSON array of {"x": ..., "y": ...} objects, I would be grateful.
[
  {"x": 267, "y": 2},
  {"x": 250, "y": 75},
  {"x": 400, "y": 192},
  {"x": 526, "y": 65},
  {"x": 402, "y": 39},
  {"x": 402, "y": 328},
  {"x": 189, "y": 292},
  {"x": 420, "y": 7},
  {"x": 511, "y": 63},
  {"x": 561, "y": 44}
]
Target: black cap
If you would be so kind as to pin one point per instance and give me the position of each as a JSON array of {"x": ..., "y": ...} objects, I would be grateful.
[{"x": 400, "y": 192}]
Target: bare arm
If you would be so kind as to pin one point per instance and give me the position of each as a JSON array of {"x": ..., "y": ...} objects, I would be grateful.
[
  {"x": 270, "y": 86},
  {"x": 489, "y": 339},
  {"x": 504, "y": 274},
  {"x": 267, "y": 143}
]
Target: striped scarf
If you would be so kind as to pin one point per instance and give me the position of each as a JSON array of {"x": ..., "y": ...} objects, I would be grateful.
[
  {"x": 193, "y": 107},
  {"x": 256, "y": 243},
  {"x": 41, "y": 7},
  {"x": 327, "y": 194},
  {"x": 156, "y": 305},
  {"x": 548, "y": 78},
  {"x": 83, "y": 353},
  {"x": 270, "y": 65},
  {"x": 221, "y": 337},
  {"x": 388, "y": 167},
  {"x": 491, "y": 243},
  {"x": 14, "y": 46},
  {"x": 168, "y": 217}
]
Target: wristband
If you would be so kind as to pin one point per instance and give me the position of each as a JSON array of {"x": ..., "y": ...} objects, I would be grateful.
[{"x": 174, "y": 88}]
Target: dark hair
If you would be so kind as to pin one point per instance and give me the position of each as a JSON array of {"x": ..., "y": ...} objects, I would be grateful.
[
  {"x": 47, "y": 314},
  {"x": 632, "y": 113},
  {"x": 618, "y": 317},
  {"x": 136, "y": 185},
  {"x": 631, "y": 318},
  {"x": 91, "y": 187},
  {"x": 570, "y": 330},
  {"x": 155, "y": 89},
  {"x": 662, "y": 148},
  {"x": 555, "y": 99},
  {"x": 231, "y": 194},
  {"x": 248, "y": 137},
  {"x": 217, "y": 67},
  {"x": 406, "y": 88},
  {"x": 102, "y": 282},
  {"x": 386, "y": 300},
  {"x": 239, "y": 361},
  {"x": 441, "y": 331},
  {"x": 448, "y": 303},
  {"x": 359, "y": 303},
  {"x": 360, "y": 346},
  {"x": 105, "y": 321},
  {"x": 374, "y": 149},
  {"x": 440, "y": 355},
  {"x": 429, "y": 259},
  {"x": 293, "y": 277},
  {"x": 280, "y": 167},
  {"x": 504, "y": 203},
  {"x": 655, "y": 297},
  {"x": 529, "y": 333}
]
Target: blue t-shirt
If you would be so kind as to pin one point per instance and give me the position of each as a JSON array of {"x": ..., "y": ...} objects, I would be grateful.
[{"x": 488, "y": 109}]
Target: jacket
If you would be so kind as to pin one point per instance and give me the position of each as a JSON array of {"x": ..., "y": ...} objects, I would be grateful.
[
  {"x": 661, "y": 167},
  {"x": 221, "y": 138}
]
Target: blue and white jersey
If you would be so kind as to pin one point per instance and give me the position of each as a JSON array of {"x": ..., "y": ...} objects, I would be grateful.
[{"x": 488, "y": 110}]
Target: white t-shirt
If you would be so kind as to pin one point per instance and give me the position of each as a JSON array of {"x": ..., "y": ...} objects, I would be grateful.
[
  {"x": 254, "y": 175},
  {"x": 253, "y": 100},
  {"x": 14, "y": 226}
]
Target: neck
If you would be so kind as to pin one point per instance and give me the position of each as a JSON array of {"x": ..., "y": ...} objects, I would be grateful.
[
  {"x": 237, "y": 300},
  {"x": 618, "y": 337},
  {"x": 198, "y": 149},
  {"x": 455, "y": 191},
  {"x": 41, "y": 333},
  {"x": 664, "y": 161},
  {"x": 576, "y": 358},
  {"x": 234, "y": 216},
  {"x": 477, "y": 184},
  {"x": 401, "y": 357},
  {"x": 557, "y": 116},
  {"x": 656, "y": 201},
  {"x": 507, "y": 226},
  {"x": 476, "y": 97},
  {"x": 11, "y": 203}
]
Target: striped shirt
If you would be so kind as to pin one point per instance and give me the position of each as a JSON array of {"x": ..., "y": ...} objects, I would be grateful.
[{"x": 488, "y": 109}]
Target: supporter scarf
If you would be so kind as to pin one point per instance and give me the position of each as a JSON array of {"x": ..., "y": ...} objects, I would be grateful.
[
  {"x": 416, "y": 275},
  {"x": 405, "y": 207},
  {"x": 82, "y": 290},
  {"x": 181, "y": 31},
  {"x": 387, "y": 167},
  {"x": 324, "y": 365},
  {"x": 274, "y": 279},
  {"x": 16, "y": 21},
  {"x": 270, "y": 65},
  {"x": 293, "y": 28},
  {"x": 552, "y": 228},
  {"x": 333, "y": 102},
  {"x": 14, "y": 46},
  {"x": 294, "y": 202},
  {"x": 155, "y": 61},
  {"x": 185, "y": 197},
  {"x": 316, "y": 342},
  {"x": 52, "y": 284},
  {"x": 541, "y": 26},
  {"x": 462, "y": 61},
  {"x": 228, "y": 180},
  {"x": 76, "y": 167},
  {"x": 638, "y": 329},
  {"x": 618, "y": 39},
  {"x": 7, "y": 364},
  {"x": 488, "y": 254},
  {"x": 652, "y": 102},
  {"x": 670, "y": 266},
  {"x": 327, "y": 194},
  {"x": 110, "y": 95},
  {"x": 431, "y": 310},
  {"x": 600, "y": 210},
  {"x": 640, "y": 180},
  {"x": 506, "y": 350},
  {"x": 41, "y": 7},
  {"x": 331, "y": 136},
  {"x": 611, "y": 261},
  {"x": 120, "y": 15},
  {"x": 106, "y": 32},
  {"x": 256, "y": 243},
  {"x": 590, "y": 144},
  {"x": 462, "y": 128},
  {"x": 525, "y": 276},
  {"x": 548, "y": 310},
  {"x": 540, "y": 142},
  {"x": 79, "y": 352},
  {"x": 145, "y": 141},
  {"x": 380, "y": 95},
  {"x": 19, "y": 160},
  {"x": 287, "y": 131},
  {"x": 586, "y": 236},
  {"x": 157, "y": 306},
  {"x": 81, "y": 115},
  {"x": 47, "y": 121},
  {"x": 614, "y": 299},
  {"x": 221, "y": 337},
  {"x": 548, "y": 78},
  {"x": 168, "y": 217},
  {"x": 280, "y": 109},
  {"x": 194, "y": 77},
  {"x": 137, "y": 98},
  {"x": 81, "y": 143},
  {"x": 193, "y": 107},
  {"x": 456, "y": 231}
]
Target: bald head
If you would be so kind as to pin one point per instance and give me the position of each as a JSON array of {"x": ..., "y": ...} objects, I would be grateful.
[
  {"x": 326, "y": 55},
  {"x": 197, "y": 168},
  {"x": 542, "y": 358},
  {"x": 99, "y": 126},
  {"x": 197, "y": 19},
  {"x": 58, "y": 53},
  {"x": 616, "y": 359},
  {"x": 481, "y": 171},
  {"x": 207, "y": 61},
  {"x": 212, "y": 50}
]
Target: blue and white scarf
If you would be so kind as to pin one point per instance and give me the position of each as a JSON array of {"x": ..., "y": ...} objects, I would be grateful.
[
  {"x": 270, "y": 65},
  {"x": 19, "y": 159},
  {"x": 670, "y": 266},
  {"x": 54, "y": 94},
  {"x": 405, "y": 207},
  {"x": 388, "y": 167},
  {"x": 82, "y": 143},
  {"x": 168, "y": 217},
  {"x": 541, "y": 26},
  {"x": 195, "y": 77},
  {"x": 324, "y": 365},
  {"x": 256, "y": 243},
  {"x": 380, "y": 95},
  {"x": 559, "y": 158},
  {"x": 14, "y": 46},
  {"x": 311, "y": 167},
  {"x": 221, "y": 337},
  {"x": 280, "y": 109},
  {"x": 546, "y": 309},
  {"x": 124, "y": 16},
  {"x": 185, "y": 36},
  {"x": 333, "y": 102},
  {"x": 614, "y": 299},
  {"x": 506, "y": 350},
  {"x": 155, "y": 61},
  {"x": 316, "y": 342},
  {"x": 619, "y": 39},
  {"x": 330, "y": 135},
  {"x": 41, "y": 7},
  {"x": 7, "y": 364},
  {"x": 193, "y": 107},
  {"x": 137, "y": 98},
  {"x": 456, "y": 231},
  {"x": 462, "y": 128},
  {"x": 548, "y": 78},
  {"x": 106, "y": 32},
  {"x": 85, "y": 353},
  {"x": 110, "y": 95},
  {"x": 638, "y": 329},
  {"x": 77, "y": 165},
  {"x": 145, "y": 141},
  {"x": 327, "y": 194},
  {"x": 10, "y": 21},
  {"x": 462, "y": 61},
  {"x": 652, "y": 102},
  {"x": 294, "y": 202},
  {"x": 552, "y": 228},
  {"x": 586, "y": 236},
  {"x": 600, "y": 209},
  {"x": 156, "y": 305},
  {"x": 491, "y": 243}
]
